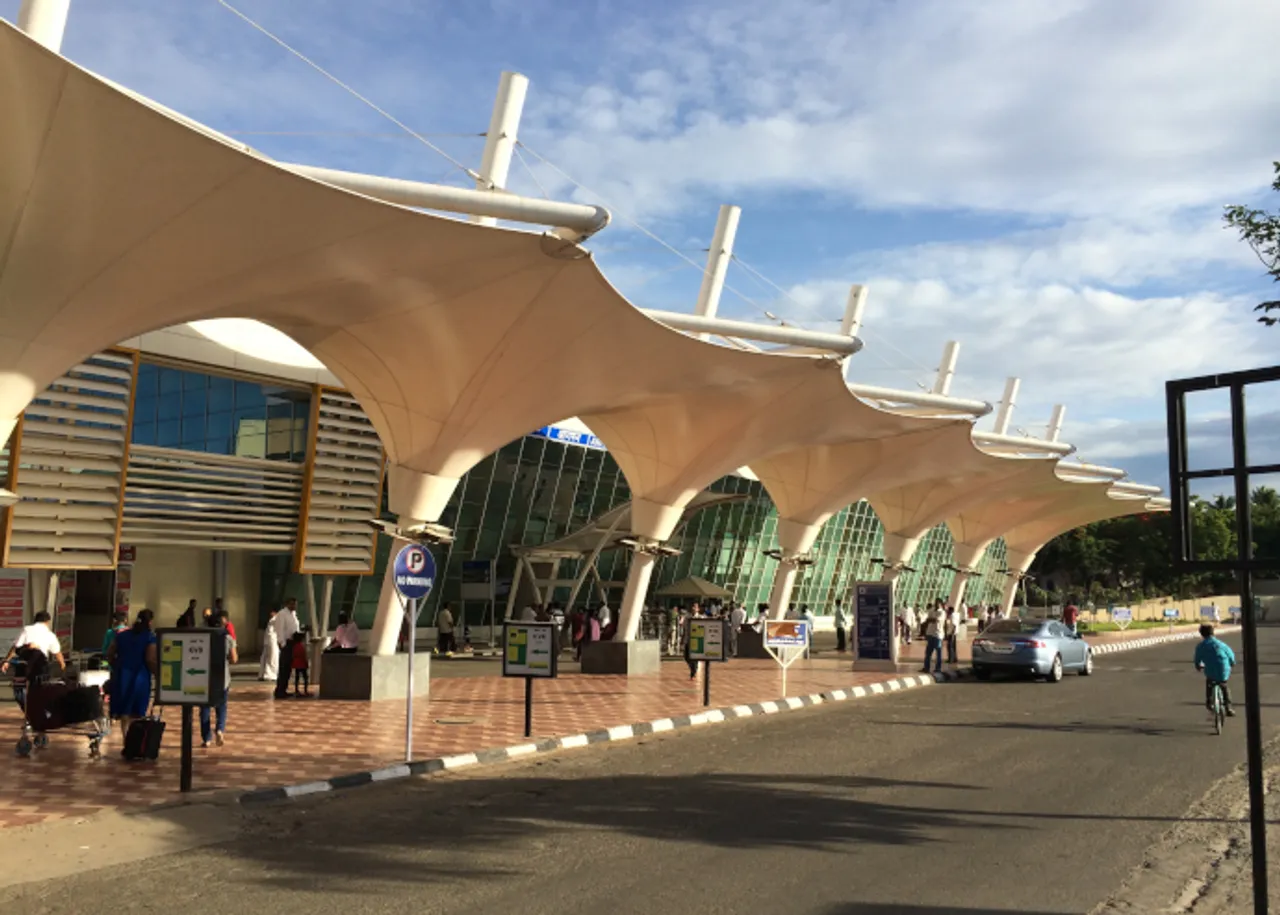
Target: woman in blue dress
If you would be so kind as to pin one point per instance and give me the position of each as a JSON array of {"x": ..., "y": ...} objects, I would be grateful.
[{"x": 132, "y": 657}]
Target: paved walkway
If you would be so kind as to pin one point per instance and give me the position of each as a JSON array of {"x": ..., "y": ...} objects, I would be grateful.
[{"x": 271, "y": 743}]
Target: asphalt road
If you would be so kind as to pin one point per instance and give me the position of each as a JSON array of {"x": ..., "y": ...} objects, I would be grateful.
[{"x": 967, "y": 798}]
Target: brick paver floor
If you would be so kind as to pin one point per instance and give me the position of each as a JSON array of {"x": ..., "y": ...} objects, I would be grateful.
[{"x": 272, "y": 743}]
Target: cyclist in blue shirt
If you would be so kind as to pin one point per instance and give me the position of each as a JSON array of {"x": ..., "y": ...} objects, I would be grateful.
[{"x": 1216, "y": 659}]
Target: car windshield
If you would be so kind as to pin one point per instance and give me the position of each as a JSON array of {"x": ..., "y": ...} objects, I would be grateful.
[{"x": 1007, "y": 627}]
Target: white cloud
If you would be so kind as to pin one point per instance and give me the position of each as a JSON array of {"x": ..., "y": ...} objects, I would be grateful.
[{"x": 1081, "y": 107}]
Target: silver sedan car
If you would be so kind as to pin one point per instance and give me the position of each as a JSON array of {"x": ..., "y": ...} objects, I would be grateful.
[{"x": 1043, "y": 648}]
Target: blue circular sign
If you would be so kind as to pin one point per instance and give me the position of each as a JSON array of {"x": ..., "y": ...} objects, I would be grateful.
[{"x": 415, "y": 572}]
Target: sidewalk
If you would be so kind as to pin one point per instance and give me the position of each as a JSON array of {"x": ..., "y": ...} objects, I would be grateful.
[{"x": 272, "y": 743}]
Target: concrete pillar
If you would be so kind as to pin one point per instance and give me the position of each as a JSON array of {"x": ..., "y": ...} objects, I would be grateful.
[
  {"x": 898, "y": 550},
  {"x": 784, "y": 581},
  {"x": 967, "y": 556},
  {"x": 1018, "y": 562},
  {"x": 947, "y": 368},
  {"x": 414, "y": 497},
  {"x": 386, "y": 624},
  {"x": 633, "y": 595},
  {"x": 795, "y": 540}
]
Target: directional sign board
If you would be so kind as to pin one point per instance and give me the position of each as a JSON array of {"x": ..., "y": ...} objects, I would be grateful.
[
  {"x": 193, "y": 667},
  {"x": 706, "y": 639},
  {"x": 1171, "y": 613},
  {"x": 786, "y": 633},
  {"x": 415, "y": 572},
  {"x": 873, "y": 620},
  {"x": 1121, "y": 614},
  {"x": 529, "y": 650}
]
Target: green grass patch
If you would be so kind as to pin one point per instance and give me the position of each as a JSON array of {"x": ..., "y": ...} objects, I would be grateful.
[{"x": 1115, "y": 627}]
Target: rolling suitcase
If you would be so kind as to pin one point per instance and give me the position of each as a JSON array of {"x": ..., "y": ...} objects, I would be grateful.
[{"x": 142, "y": 740}]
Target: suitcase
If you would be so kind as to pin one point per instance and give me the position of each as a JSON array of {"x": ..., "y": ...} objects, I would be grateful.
[{"x": 142, "y": 740}]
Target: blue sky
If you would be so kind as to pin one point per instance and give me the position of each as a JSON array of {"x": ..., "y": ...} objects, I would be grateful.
[{"x": 1042, "y": 181}]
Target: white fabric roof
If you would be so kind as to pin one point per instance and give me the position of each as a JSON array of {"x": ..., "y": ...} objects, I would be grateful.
[{"x": 456, "y": 338}]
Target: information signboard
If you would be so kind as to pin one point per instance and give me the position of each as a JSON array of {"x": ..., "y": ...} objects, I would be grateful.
[
  {"x": 193, "y": 667},
  {"x": 1171, "y": 613},
  {"x": 1234, "y": 613},
  {"x": 529, "y": 650},
  {"x": 477, "y": 579},
  {"x": 706, "y": 640},
  {"x": 873, "y": 620},
  {"x": 786, "y": 633},
  {"x": 1121, "y": 614}
]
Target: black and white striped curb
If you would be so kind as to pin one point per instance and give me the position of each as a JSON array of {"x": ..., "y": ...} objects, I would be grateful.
[
  {"x": 643, "y": 729},
  {"x": 603, "y": 735},
  {"x": 1131, "y": 644}
]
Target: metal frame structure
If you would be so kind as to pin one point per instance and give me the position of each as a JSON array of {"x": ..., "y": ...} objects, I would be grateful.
[{"x": 1239, "y": 471}]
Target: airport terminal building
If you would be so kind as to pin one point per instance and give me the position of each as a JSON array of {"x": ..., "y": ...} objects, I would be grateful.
[{"x": 233, "y": 478}]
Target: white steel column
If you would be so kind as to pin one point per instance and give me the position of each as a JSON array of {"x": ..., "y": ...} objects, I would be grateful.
[
  {"x": 45, "y": 21},
  {"x": 718, "y": 262},
  {"x": 386, "y": 625},
  {"x": 500, "y": 142},
  {"x": 854, "y": 306},
  {"x": 1055, "y": 422},
  {"x": 1007, "y": 402},
  {"x": 947, "y": 368},
  {"x": 633, "y": 595}
]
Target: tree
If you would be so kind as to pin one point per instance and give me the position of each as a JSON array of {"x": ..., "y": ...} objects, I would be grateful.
[{"x": 1260, "y": 230}]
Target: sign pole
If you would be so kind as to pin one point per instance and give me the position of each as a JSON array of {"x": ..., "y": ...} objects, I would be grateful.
[
  {"x": 528, "y": 706},
  {"x": 412, "y": 610},
  {"x": 185, "y": 778},
  {"x": 706, "y": 683}
]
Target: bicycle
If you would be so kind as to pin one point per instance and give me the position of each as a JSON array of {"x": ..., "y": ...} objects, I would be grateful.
[{"x": 1218, "y": 707}]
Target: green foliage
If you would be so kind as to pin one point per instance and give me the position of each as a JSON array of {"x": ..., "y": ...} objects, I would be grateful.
[
  {"x": 1260, "y": 230},
  {"x": 1130, "y": 558}
]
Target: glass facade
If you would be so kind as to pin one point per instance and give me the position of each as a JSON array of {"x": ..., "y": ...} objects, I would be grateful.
[
  {"x": 535, "y": 490},
  {"x": 532, "y": 491},
  {"x": 196, "y": 411}
]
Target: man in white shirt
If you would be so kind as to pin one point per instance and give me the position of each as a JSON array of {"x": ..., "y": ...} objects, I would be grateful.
[
  {"x": 737, "y": 618},
  {"x": 528, "y": 615},
  {"x": 444, "y": 631},
  {"x": 606, "y": 617},
  {"x": 40, "y": 637},
  {"x": 841, "y": 622},
  {"x": 286, "y": 627}
]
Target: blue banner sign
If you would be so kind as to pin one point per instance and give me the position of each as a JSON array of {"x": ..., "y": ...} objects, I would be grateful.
[
  {"x": 569, "y": 437},
  {"x": 873, "y": 616},
  {"x": 1170, "y": 613}
]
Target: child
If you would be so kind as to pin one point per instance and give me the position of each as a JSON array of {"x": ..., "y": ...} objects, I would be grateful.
[
  {"x": 300, "y": 662},
  {"x": 1216, "y": 659}
]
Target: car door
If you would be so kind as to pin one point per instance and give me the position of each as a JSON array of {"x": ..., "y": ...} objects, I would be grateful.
[
  {"x": 1059, "y": 635},
  {"x": 1068, "y": 647}
]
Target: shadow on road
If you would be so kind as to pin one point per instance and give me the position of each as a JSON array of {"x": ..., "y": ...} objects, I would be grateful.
[
  {"x": 1073, "y": 727},
  {"x": 880, "y": 908},
  {"x": 480, "y": 825}
]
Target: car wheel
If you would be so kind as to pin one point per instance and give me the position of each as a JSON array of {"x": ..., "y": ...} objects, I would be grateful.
[
  {"x": 982, "y": 673},
  {"x": 1088, "y": 664},
  {"x": 1055, "y": 670}
]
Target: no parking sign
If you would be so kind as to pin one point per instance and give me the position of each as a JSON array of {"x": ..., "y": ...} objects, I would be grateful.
[{"x": 415, "y": 572}]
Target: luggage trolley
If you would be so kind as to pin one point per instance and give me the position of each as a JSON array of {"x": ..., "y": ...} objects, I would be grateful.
[{"x": 54, "y": 705}]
